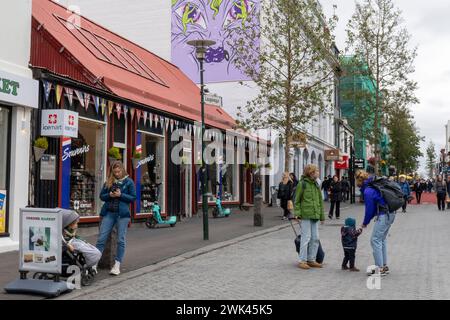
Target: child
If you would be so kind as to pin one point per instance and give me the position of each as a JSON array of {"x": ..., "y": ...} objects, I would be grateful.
[
  {"x": 73, "y": 242},
  {"x": 349, "y": 242}
]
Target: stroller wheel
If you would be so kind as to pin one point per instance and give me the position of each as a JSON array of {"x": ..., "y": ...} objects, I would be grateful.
[{"x": 87, "y": 279}]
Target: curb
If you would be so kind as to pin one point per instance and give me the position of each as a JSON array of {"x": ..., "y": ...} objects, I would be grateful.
[{"x": 166, "y": 263}]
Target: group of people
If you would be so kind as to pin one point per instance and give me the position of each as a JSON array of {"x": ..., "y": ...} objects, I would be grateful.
[{"x": 335, "y": 191}]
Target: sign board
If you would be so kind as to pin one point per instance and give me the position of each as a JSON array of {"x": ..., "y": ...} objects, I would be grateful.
[
  {"x": 48, "y": 167},
  {"x": 59, "y": 123},
  {"x": 2, "y": 211},
  {"x": 213, "y": 100},
  {"x": 40, "y": 240},
  {"x": 342, "y": 164},
  {"x": 18, "y": 90},
  {"x": 332, "y": 155},
  {"x": 299, "y": 140},
  {"x": 360, "y": 163}
]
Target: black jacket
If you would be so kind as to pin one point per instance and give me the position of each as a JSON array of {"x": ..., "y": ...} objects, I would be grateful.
[
  {"x": 285, "y": 191},
  {"x": 326, "y": 185},
  {"x": 350, "y": 237},
  {"x": 418, "y": 187},
  {"x": 336, "y": 191}
]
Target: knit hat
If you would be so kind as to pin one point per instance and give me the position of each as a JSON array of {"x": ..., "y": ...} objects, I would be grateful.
[
  {"x": 69, "y": 216},
  {"x": 350, "y": 222}
]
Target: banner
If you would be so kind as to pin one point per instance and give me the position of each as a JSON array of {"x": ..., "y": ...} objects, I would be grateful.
[
  {"x": 87, "y": 99},
  {"x": 103, "y": 105},
  {"x": 80, "y": 97},
  {"x": 2, "y": 211},
  {"x": 110, "y": 107},
  {"x": 96, "y": 103},
  {"x": 47, "y": 89},
  {"x": 132, "y": 110},
  {"x": 118, "y": 110},
  {"x": 69, "y": 92},
  {"x": 59, "y": 92}
]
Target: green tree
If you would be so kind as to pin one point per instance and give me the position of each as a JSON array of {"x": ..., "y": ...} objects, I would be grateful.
[
  {"x": 294, "y": 68},
  {"x": 431, "y": 159},
  {"x": 375, "y": 35}
]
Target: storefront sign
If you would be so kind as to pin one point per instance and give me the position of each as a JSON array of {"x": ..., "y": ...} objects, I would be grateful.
[
  {"x": 2, "y": 211},
  {"x": 40, "y": 240},
  {"x": 18, "y": 90},
  {"x": 59, "y": 123},
  {"x": 360, "y": 163},
  {"x": 67, "y": 153},
  {"x": 48, "y": 167},
  {"x": 213, "y": 100},
  {"x": 342, "y": 164},
  {"x": 299, "y": 140},
  {"x": 145, "y": 160},
  {"x": 332, "y": 155}
]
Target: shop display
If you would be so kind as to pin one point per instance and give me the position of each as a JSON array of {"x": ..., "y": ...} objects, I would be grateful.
[{"x": 83, "y": 195}]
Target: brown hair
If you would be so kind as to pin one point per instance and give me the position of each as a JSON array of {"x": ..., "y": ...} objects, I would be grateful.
[
  {"x": 361, "y": 176},
  {"x": 310, "y": 169},
  {"x": 111, "y": 178}
]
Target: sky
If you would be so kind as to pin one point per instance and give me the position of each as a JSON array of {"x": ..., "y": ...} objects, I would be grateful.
[{"x": 428, "y": 23}]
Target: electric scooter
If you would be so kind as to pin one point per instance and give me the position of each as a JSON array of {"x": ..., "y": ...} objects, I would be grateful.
[
  {"x": 156, "y": 219},
  {"x": 219, "y": 211}
]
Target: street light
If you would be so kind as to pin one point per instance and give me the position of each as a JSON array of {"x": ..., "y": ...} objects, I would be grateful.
[{"x": 200, "y": 53}]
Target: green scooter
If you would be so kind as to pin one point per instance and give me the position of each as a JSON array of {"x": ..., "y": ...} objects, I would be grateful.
[
  {"x": 219, "y": 211},
  {"x": 156, "y": 219}
]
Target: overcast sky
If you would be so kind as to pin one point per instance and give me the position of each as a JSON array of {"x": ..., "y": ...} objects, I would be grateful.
[{"x": 428, "y": 23}]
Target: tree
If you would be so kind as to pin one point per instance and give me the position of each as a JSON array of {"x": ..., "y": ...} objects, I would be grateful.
[
  {"x": 376, "y": 38},
  {"x": 431, "y": 159},
  {"x": 405, "y": 141},
  {"x": 294, "y": 68}
]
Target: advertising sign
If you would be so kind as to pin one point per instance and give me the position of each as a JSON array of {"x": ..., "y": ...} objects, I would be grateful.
[
  {"x": 59, "y": 123},
  {"x": 332, "y": 155},
  {"x": 40, "y": 240},
  {"x": 213, "y": 100},
  {"x": 360, "y": 164},
  {"x": 2, "y": 211},
  {"x": 48, "y": 167},
  {"x": 342, "y": 164},
  {"x": 19, "y": 90}
]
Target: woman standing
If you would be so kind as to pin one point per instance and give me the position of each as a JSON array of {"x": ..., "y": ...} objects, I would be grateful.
[
  {"x": 406, "y": 192},
  {"x": 441, "y": 189},
  {"x": 336, "y": 197},
  {"x": 285, "y": 190},
  {"x": 118, "y": 193},
  {"x": 309, "y": 209}
]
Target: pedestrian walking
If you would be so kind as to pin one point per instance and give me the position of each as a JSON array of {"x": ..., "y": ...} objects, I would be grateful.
[
  {"x": 118, "y": 193},
  {"x": 418, "y": 190},
  {"x": 309, "y": 209},
  {"x": 293, "y": 179},
  {"x": 335, "y": 197},
  {"x": 430, "y": 186},
  {"x": 448, "y": 191},
  {"x": 345, "y": 189},
  {"x": 285, "y": 190},
  {"x": 441, "y": 190},
  {"x": 376, "y": 207},
  {"x": 349, "y": 238},
  {"x": 325, "y": 187},
  {"x": 406, "y": 191}
]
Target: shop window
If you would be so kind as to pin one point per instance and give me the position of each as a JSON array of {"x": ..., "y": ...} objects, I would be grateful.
[
  {"x": 87, "y": 168},
  {"x": 150, "y": 171},
  {"x": 4, "y": 154}
]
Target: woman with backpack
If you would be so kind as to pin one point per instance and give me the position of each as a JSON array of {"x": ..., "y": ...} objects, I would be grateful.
[
  {"x": 285, "y": 190},
  {"x": 441, "y": 190},
  {"x": 335, "y": 197},
  {"x": 309, "y": 209}
]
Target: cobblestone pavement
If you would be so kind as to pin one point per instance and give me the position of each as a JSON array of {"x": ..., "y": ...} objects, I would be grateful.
[{"x": 265, "y": 267}]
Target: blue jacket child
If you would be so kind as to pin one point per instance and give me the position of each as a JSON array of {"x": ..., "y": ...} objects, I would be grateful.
[{"x": 349, "y": 236}]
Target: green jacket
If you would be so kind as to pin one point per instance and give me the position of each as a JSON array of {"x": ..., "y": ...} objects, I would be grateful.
[{"x": 310, "y": 205}]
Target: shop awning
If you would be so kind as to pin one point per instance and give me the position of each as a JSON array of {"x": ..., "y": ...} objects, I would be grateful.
[{"x": 119, "y": 65}]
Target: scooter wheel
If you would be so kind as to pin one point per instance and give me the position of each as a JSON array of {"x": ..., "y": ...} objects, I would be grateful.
[
  {"x": 172, "y": 225},
  {"x": 150, "y": 223},
  {"x": 215, "y": 213}
]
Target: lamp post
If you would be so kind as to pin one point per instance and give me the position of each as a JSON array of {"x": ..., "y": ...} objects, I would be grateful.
[{"x": 200, "y": 52}]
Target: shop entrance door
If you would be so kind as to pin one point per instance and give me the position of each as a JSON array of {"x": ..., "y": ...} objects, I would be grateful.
[{"x": 187, "y": 190}]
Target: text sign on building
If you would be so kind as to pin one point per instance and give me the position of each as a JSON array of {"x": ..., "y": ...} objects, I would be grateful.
[
  {"x": 213, "y": 100},
  {"x": 59, "y": 123},
  {"x": 332, "y": 155},
  {"x": 359, "y": 163},
  {"x": 342, "y": 164},
  {"x": 18, "y": 90}
]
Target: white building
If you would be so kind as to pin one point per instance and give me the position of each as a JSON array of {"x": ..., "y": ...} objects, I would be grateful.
[{"x": 18, "y": 95}]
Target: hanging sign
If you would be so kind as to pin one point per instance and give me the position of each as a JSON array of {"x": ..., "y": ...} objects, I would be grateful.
[{"x": 59, "y": 123}]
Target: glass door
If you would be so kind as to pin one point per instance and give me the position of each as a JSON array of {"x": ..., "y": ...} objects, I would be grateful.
[{"x": 4, "y": 154}]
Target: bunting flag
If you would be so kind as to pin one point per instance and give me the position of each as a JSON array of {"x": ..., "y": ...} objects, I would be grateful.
[
  {"x": 166, "y": 121},
  {"x": 103, "y": 105},
  {"x": 151, "y": 119},
  {"x": 69, "y": 92},
  {"x": 161, "y": 122},
  {"x": 125, "y": 111},
  {"x": 47, "y": 89},
  {"x": 87, "y": 98},
  {"x": 118, "y": 110},
  {"x": 138, "y": 115},
  {"x": 110, "y": 107},
  {"x": 171, "y": 125},
  {"x": 145, "y": 113},
  {"x": 96, "y": 102},
  {"x": 59, "y": 92},
  {"x": 156, "y": 121},
  {"x": 80, "y": 97},
  {"x": 132, "y": 113}
]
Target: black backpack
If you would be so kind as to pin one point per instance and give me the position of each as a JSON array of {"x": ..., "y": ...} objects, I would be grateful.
[{"x": 391, "y": 193}]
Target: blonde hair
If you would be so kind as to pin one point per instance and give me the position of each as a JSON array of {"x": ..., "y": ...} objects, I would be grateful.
[
  {"x": 309, "y": 170},
  {"x": 111, "y": 178},
  {"x": 361, "y": 176},
  {"x": 286, "y": 178}
]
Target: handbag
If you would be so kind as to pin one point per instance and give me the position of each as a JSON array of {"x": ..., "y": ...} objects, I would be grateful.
[{"x": 290, "y": 205}]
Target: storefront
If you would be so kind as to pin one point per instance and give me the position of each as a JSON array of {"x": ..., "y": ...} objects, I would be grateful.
[{"x": 5, "y": 124}]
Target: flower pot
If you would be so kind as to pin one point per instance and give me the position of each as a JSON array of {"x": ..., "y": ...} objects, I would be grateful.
[
  {"x": 135, "y": 162},
  {"x": 38, "y": 153}
]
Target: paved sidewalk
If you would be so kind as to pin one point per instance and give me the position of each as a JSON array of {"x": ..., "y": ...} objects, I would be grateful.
[{"x": 265, "y": 267}]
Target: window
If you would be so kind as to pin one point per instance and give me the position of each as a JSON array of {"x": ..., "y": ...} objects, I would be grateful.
[{"x": 4, "y": 137}]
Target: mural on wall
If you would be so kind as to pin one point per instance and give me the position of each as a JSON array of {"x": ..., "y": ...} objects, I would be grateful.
[{"x": 213, "y": 20}]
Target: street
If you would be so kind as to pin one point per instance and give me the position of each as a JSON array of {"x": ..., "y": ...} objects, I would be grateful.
[{"x": 265, "y": 267}]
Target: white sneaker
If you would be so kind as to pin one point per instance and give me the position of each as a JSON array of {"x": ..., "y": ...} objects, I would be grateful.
[
  {"x": 115, "y": 269},
  {"x": 94, "y": 269}
]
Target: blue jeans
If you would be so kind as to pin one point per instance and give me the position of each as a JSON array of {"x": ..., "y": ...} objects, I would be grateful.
[
  {"x": 309, "y": 244},
  {"x": 108, "y": 223},
  {"x": 325, "y": 195},
  {"x": 378, "y": 240}
]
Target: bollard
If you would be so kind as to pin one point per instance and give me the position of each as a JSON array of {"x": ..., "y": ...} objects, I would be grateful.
[
  {"x": 258, "y": 218},
  {"x": 109, "y": 253}
]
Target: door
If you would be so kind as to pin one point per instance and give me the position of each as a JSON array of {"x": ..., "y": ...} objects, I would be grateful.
[{"x": 187, "y": 190}]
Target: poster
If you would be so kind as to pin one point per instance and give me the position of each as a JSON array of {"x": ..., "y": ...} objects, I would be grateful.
[
  {"x": 48, "y": 167},
  {"x": 2, "y": 211},
  {"x": 40, "y": 240}
]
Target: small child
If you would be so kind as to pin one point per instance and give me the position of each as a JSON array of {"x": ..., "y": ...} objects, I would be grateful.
[
  {"x": 349, "y": 242},
  {"x": 73, "y": 242}
]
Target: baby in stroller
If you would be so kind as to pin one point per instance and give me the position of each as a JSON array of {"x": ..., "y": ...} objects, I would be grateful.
[{"x": 77, "y": 251}]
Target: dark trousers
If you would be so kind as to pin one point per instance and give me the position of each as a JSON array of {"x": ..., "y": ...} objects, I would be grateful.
[
  {"x": 418, "y": 196},
  {"x": 441, "y": 201},
  {"x": 349, "y": 256},
  {"x": 448, "y": 203},
  {"x": 405, "y": 203},
  {"x": 286, "y": 213},
  {"x": 336, "y": 204}
]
